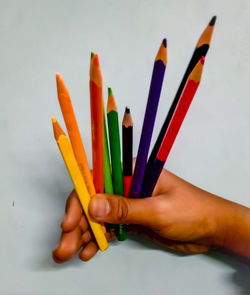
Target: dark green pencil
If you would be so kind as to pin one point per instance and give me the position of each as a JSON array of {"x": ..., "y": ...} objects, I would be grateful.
[{"x": 115, "y": 151}]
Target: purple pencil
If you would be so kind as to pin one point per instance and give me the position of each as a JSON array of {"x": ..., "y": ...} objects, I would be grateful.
[{"x": 149, "y": 119}]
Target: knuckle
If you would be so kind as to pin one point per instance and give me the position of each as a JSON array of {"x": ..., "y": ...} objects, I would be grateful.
[{"x": 122, "y": 210}]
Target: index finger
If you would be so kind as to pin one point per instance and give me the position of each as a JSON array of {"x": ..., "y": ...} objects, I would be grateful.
[{"x": 73, "y": 213}]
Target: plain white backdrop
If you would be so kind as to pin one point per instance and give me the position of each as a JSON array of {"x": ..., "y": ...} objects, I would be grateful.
[{"x": 40, "y": 38}]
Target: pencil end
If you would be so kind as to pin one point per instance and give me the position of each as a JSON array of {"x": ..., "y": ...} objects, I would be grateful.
[
  {"x": 206, "y": 35},
  {"x": 61, "y": 87},
  {"x": 196, "y": 73},
  {"x": 96, "y": 60},
  {"x": 127, "y": 118},
  {"x": 164, "y": 42},
  {"x": 92, "y": 55},
  {"x": 162, "y": 52},
  {"x": 110, "y": 91},
  {"x": 213, "y": 20},
  {"x": 53, "y": 119},
  {"x": 111, "y": 105},
  {"x": 57, "y": 129}
]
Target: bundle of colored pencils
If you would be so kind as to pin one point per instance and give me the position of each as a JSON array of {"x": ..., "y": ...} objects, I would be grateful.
[{"x": 110, "y": 174}]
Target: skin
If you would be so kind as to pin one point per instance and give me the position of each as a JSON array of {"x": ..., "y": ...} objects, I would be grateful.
[{"x": 178, "y": 215}]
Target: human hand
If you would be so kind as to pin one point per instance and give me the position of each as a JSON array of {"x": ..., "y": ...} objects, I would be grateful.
[
  {"x": 178, "y": 215},
  {"x": 76, "y": 233}
]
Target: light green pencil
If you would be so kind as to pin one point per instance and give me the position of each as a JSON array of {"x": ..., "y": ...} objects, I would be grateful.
[{"x": 108, "y": 185}]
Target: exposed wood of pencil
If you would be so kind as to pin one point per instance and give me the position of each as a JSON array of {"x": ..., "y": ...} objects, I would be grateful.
[
  {"x": 127, "y": 119},
  {"x": 206, "y": 36},
  {"x": 74, "y": 133},
  {"x": 97, "y": 123},
  {"x": 111, "y": 105},
  {"x": 78, "y": 181}
]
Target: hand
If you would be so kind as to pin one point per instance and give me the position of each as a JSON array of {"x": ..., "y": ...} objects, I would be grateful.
[
  {"x": 75, "y": 233},
  {"x": 178, "y": 215}
]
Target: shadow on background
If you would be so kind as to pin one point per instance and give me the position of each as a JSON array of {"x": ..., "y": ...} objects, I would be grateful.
[
  {"x": 241, "y": 276},
  {"x": 241, "y": 266}
]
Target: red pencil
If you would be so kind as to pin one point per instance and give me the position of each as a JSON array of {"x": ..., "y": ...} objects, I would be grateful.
[{"x": 97, "y": 127}]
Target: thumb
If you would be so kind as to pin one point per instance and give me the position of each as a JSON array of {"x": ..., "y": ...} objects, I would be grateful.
[{"x": 117, "y": 209}]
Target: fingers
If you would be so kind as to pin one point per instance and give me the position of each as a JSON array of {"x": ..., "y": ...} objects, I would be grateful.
[
  {"x": 89, "y": 251},
  {"x": 110, "y": 235},
  {"x": 117, "y": 209},
  {"x": 73, "y": 213},
  {"x": 91, "y": 248},
  {"x": 68, "y": 246}
]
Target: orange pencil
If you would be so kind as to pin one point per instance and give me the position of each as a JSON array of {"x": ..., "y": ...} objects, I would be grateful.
[
  {"x": 74, "y": 133},
  {"x": 97, "y": 127}
]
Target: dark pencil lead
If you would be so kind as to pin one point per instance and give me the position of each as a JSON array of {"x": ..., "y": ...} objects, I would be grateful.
[
  {"x": 92, "y": 55},
  {"x": 164, "y": 42},
  {"x": 127, "y": 110},
  {"x": 212, "y": 21},
  {"x": 110, "y": 91}
]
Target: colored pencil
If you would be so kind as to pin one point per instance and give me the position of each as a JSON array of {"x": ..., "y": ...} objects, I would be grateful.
[
  {"x": 182, "y": 107},
  {"x": 74, "y": 133},
  {"x": 78, "y": 181},
  {"x": 127, "y": 151},
  {"x": 108, "y": 185},
  {"x": 149, "y": 119},
  {"x": 201, "y": 49},
  {"x": 97, "y": 124},
  {"x": 115, "y": 151}
]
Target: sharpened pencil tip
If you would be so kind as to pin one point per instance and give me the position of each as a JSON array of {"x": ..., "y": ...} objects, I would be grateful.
[
  {"x": 57, "y": 129},
  {"x": 96, "y": 60},
  {"x": 110, "y": 91},
  {"x": 58, "y": 76},
  {"x": 91, "y": 55},
  {"x": 61, "y": 87},
  {"x": 213, "y": 20},
  {"x": 164, "y": 42},
  {"x": 127, "y": 110}
]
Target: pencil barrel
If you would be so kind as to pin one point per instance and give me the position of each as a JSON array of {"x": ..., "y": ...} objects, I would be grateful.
[
  {"x": 127, "y": 180},
  {"x": 127, "y": 150},
  {"x": 148, "y": 125},
  {"x": 108, "y": 186},
  {"x": 115, "y": 151},
  {"x": 149, "y": 185}
]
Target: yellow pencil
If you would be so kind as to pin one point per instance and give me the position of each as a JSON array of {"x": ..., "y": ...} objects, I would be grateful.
[{"x": 78, "y": 181}]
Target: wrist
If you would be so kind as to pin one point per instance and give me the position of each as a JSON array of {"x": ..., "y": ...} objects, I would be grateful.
[{"x": 233, "y": 228}]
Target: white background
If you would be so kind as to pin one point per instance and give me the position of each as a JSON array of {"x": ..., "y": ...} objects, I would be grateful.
[{"x": 40, "y": 38}]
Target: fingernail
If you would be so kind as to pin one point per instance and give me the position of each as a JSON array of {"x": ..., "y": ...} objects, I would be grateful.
[{"x": 100, "y": 207}]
